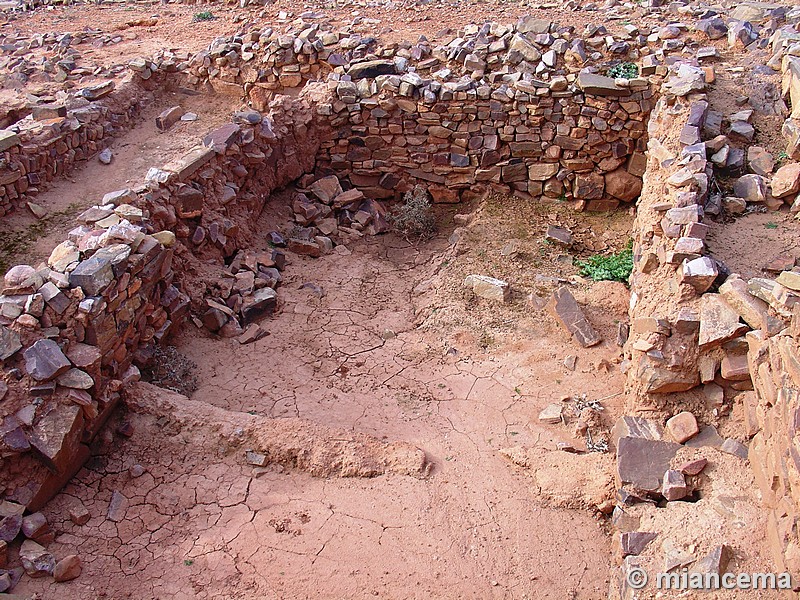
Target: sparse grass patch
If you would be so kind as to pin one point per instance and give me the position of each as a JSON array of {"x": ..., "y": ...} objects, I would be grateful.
[{"x": 16, "y": 243}]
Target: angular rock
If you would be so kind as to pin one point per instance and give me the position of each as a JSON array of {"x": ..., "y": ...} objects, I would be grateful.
[
  {"x": 8, "y": 139},
  {"x": 542, "y": 171},
  {"x": 642, "y": 462},
  {"x": 786, "y": 181},
  {"x": 489, "y": 288},
  {"x": 262, "y": 302},
  {"x": 10, "y": 527},
  {"x": 371, "y": 69},
  {"x": 44, "y": 360},
  {"x": 79, "y": 514},
  {"x": 67, "y": 569},
  {"x": 718, "y": 322},
  {"x": 700, "y": 273},
  {"x": 752, "y": 310},
  {"x": 56, "y": 436},
  {"x": 10, "y": 343},
  {"x": 693, "y": 467},
  {"x": 83, "y": 355},
  {"x": 640, "y": 427},
  {"x": 734, "y": 367},
  {"x": 327, "y": 188},
  {"x": 789, "y": 279},
  {"x": 304, "y": 247},
  {"x": 633, "y": 543},
  {"x": 63, "y": 255},
  {"x": 76, "y": 379},
  {"x": 565, "y": 309},
  {"x": 256, "y": 459},
  {"x": 169, "y": 117},
  {"x": 54, "y": 297},
  {"x": 551, "y": 414},
  {"x": 760, "y": 161},
  {"x": 35, "y": 526},
  {"x": 622, "y": 185},
  {"x": 715, "y": 561},
  {"x": 674, "y": 486},
  {"x": 93, "y": 275},
  {"x": 751, "y": 188},
  {"x": 734, "y": 447},
  {"x": 600, "y": 85},
  {"x": 559, "y": 235},
  {"x": 36, "y": 560},
  {"x": 117, "y": 507}
]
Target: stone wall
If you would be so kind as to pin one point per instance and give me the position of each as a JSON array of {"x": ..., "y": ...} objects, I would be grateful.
[
  {"x": 773, "y": 419},
  {"x": 513, "y": 107},
  {"x": 702, "y": 338},
  {"x": 520, "y": 108},
  {"x": 579, "y": 143},
  {"x": 49, "y": 142},
  {"x": 70, "y": 332}
]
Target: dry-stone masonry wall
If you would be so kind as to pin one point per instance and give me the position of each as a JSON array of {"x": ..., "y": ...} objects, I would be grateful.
[
  {"x": 696, "y": 325},
  {"x": 47, "y": 143},
  {"x": 71, "y": 331},
  {"x": 517, "y": 108}
]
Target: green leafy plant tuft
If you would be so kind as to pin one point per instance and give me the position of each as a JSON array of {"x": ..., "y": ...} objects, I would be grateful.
[
  {"x": 626, "y": 70},
  {"x": 612, "y": 267},
  {"x": 206, "y": 15}
]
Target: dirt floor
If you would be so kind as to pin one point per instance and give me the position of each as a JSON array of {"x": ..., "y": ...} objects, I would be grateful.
[{"x": 344, "y": 353}]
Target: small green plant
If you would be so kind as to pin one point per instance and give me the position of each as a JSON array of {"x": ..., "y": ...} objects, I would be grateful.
[
  {"x": 771, "y": 225},
  {"x": 413, "y": 219},
  {"x": 613, "y": 267},
  {"x": 188, "y": 562},
  {"x": 626, "y": 70},
  {"x": 206, "y": 15},
  {"x": 781, "y": 157},
  {"x": 518, "y": 391}
]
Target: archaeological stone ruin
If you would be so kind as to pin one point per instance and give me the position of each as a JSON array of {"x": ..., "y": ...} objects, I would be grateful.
[{"x": 458, "y": 399}]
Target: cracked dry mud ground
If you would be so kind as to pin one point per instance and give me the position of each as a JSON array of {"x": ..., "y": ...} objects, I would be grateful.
[{"x": 200, "y": 524}]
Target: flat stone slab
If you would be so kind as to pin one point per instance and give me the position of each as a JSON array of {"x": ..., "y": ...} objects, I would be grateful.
[
  {"x": 565, "y": 309},
  {"x": 371, "y": 69},
  {"x": 92, "y": 275},
  {"x": 718, "y": 321},
  {"x": 57, "y": 436},
  {"x": 9, "y": 343},
  {"x": 642, "y": 462},
  {"x": 44, "y": 360},
  {"x": 8, "y": 139},
  {"x": 600, "y": 85}
]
